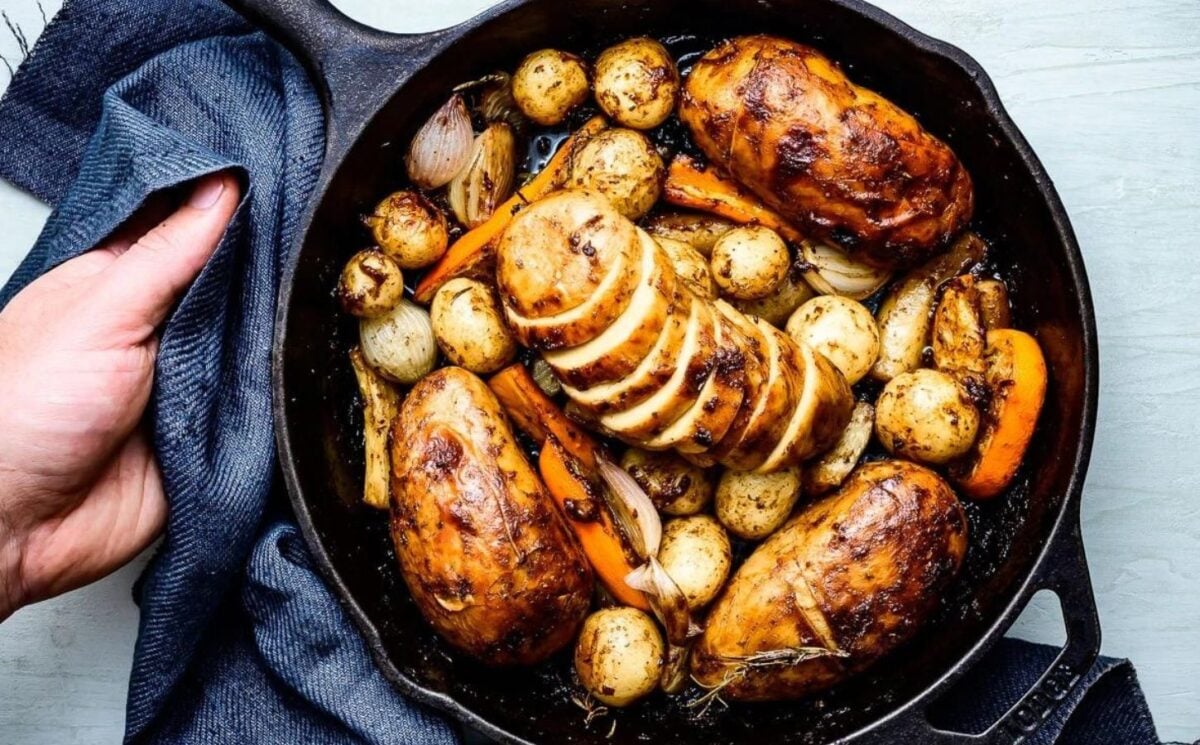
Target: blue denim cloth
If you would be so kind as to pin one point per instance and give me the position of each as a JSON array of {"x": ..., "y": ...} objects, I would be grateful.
[{"x": 240, "y": 640}]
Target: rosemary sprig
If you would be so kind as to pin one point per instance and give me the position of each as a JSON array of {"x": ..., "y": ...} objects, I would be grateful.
[{"x": 741, "y": 665}]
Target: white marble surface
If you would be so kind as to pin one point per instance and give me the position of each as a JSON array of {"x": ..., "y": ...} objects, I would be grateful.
[{"x": 1108, "y": 92}]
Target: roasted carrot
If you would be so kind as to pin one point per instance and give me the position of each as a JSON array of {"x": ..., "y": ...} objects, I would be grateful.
[
  {"x": 591, "y": 521},
  {"x": 704, "y": 188},
  {"x": 472, "y": 253},
  {"x": 1016, "y": 375},
  {"x": 538, "y": 416}
]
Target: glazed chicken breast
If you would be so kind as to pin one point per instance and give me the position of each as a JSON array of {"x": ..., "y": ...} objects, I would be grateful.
[{"x": 840, "y": 161}]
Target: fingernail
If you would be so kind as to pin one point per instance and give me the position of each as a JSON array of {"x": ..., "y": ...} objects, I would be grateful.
[{"x": 207, "y": 192}]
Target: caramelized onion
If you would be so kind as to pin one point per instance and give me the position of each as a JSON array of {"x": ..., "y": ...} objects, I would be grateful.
[
  {"x": 634, "y": 511},
  {"x": 442, "y": 146},
  {"x": 833, "y": 272}
]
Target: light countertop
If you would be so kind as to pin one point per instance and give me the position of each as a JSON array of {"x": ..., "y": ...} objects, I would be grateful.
[{"x": 1108, "y": 93}]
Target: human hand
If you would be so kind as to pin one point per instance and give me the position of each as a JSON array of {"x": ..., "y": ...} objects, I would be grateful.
[{"x": 80, "y": 492}]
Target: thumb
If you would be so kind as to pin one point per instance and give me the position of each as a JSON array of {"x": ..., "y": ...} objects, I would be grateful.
[{"x": 144, "y": 282}]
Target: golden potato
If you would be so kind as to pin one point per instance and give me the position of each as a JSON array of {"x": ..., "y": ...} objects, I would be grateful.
[
  {"x": 410, "y": 229},
  {"x": 548, "y": 84},
  {"x": 619, "y": 655},
  {"x": 696, "y": 554},
  {"x": 690, "y": 265},
  {"x": 371, "y": 284},
  {"x": 623, "y": 166},
  {"x": 637, "y": 83},
  {"x": 777, "y": 307},
  {"x": 749, "y": 262},
  {"x": 849, "y": 579},
  {"x": 926, "y": 415},
  {"x": 399, "y": 343},
  {"x": 697, "y": 229},
  {"x": 753, "y": 505},
  {"x": 841, "y": 329},
  {"x": 675, "y": 486},
  {"x": 468, "y": 326}
]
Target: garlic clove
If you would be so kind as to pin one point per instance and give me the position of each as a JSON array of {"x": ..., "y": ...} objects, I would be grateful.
[
  {"x": 442, "y": 146},
  {"x": 488, "y": 178}
]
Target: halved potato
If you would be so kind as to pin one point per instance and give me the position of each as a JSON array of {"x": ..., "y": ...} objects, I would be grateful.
[
  {"x": 821, "y": 414},
  {"x": 719, "y": 401},
  {"x": 693, "y": 365},
  {"x": 655, "y": 370},
  {"x": 625, "y": 343}
]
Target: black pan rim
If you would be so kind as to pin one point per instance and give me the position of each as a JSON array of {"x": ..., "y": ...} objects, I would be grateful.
[{"x": 1068, "y": 512}]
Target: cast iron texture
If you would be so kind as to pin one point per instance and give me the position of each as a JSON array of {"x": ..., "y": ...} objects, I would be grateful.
[{"x": 378, "y": 87}]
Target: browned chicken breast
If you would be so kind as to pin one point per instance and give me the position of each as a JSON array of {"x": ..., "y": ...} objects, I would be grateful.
[
  {"x": 850, "y": 578},
  {"x": 673, "y": 369},
  {"x": 485, "y": 553},
  {"x": 840, "y": 161}
]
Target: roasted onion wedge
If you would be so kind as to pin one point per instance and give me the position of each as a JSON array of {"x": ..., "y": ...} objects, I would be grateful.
[{"x": 622, "y": 346}]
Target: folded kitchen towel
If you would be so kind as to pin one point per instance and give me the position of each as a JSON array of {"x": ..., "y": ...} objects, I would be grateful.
[{"x": 240, "y": 640}]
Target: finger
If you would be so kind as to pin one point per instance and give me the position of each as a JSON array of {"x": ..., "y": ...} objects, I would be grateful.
[{"x": 144, "y": 282}]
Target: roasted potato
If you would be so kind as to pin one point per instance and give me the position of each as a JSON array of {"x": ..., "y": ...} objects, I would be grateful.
[
  {"x": 841, "y": 162},
  {"x": 548, "y": 84},
  {"x": 619, "y": 655},
  {"x": 849, "y": 579},
  {"x": 749, "y": 262},
  {"x": 778, "y": 307},
  {"x": 904, "y": 315},
  {"x": 468, "y": 326},
  {"x": 371, "y": 284},
  {"x": 399, "y": 343},
  {"x": 410, "y": 229},
  {"x": 486, "y": 554},
  {"x": 926, "y": 415},
  {"x": 841, "y": 329},
  {"x": 696, "y": 229},
  {"x": 621, "y": 165},
  {"x": 690, "y": 265},
  {"x": 675, "y": 486},
  {"x": 696, "y": 554},
  {"x": 381, "y": 402},
  {"x": 637, "y": 83},
  {"x": 753, "y": 505}
]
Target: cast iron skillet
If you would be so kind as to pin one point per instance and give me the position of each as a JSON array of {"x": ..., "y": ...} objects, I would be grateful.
[{"x": 378, "y": 87}]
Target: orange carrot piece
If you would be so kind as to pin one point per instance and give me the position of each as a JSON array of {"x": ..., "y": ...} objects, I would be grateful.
[
  {"x": 1017, "y": 376},
  {"x": 538, "y": 416},
  {"x": 690, "y": 184},
  {"x": 473, "y": 251},
  {"x": 592, "y": 523}
]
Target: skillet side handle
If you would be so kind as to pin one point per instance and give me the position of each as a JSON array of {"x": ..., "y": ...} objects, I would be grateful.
[
  {"x": 355, "y": 68},
  {"x": 1065, "y": 573}
]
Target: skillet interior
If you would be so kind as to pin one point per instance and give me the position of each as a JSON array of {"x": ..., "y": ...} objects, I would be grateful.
[{"x": 321, "y": 414}]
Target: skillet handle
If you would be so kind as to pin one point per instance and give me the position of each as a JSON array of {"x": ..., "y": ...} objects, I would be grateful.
[
  {"x": 354, "y": 67},
  {"x": 1065, "y": 573}
]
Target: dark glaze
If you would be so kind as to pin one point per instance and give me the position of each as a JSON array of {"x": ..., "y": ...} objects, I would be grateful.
[
  {"x": 486, "y": 555},
  {"x": 838, "y": 160},
  {"x": 858, "y": 571}
]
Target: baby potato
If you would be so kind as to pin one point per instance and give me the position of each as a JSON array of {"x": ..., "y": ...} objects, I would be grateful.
[
  {"x": 637, "y": 83},
  {"x": 690, "y": 265},
  {"x": 409, "y": 228},
  {"x": 469, "y": 328},
  {"x": 753, "y": 505},
  {"x": 548, "y": 84},
  {"x": 675, "y": 486},
  {"x": 698, "y": 229},
  {"x": 623, "y": 166},
  {"x": 619, "y": 655},
  {"x": 696, "y": 554},
  {"x": 749, "y": 262},
  {"x": 927, "y": 416},
  {"x": 778, "y": 307},
  {"x": 371, "y": 284},
  {"x": 841, "y": 329}
]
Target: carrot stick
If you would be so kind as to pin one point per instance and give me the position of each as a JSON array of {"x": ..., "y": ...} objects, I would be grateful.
[
  {"x": 473, "y": 251},
  {"x": 1017, "y": 377},
  {"x": 592, "y": 523},
  {"x": 690, "y": 184},
  {"x": 538, "y": 416}
]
